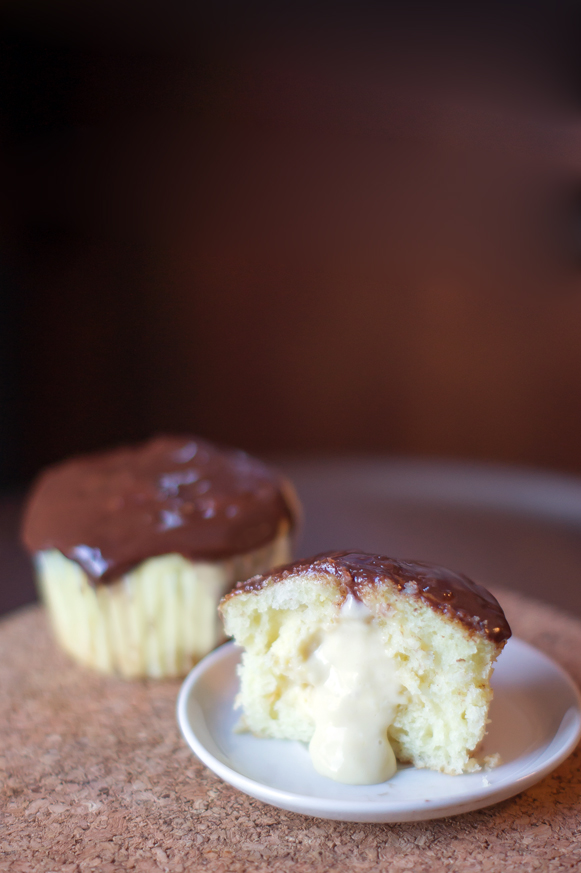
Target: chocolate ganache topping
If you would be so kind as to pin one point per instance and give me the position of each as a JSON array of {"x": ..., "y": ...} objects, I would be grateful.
[
  {"x": 110, "y": 511},
  {"x": 447, "y": 592}
]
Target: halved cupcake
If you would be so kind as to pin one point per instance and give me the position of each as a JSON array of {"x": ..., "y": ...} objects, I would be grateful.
[{"x": 368, "y": 659}]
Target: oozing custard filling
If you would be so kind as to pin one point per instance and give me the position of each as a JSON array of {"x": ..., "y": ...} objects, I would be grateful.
[{"x": 354, "y": 696}]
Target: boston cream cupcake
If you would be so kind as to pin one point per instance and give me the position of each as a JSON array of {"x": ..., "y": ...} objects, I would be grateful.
[
  {"x": 369, "y": 660},
  {"x": 134, "y": 548}
]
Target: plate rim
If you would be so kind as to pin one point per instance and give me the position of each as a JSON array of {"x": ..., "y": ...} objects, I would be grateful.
[{"x": 366, "y": 810}]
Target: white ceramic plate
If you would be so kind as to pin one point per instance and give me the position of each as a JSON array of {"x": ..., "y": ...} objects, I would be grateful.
[{"x": 535, "y": 725}]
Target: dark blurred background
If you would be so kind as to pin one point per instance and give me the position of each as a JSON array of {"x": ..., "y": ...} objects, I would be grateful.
[
  {"x": 303, "y": 228},
  {"x": 351, "y": 230}
]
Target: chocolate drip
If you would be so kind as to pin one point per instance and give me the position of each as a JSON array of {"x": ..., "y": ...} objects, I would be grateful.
[
  {"x": 109, "y": 512},
  {"x": 447, "y": 592}
]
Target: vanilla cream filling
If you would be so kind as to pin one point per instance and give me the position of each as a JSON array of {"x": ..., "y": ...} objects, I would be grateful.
[{"x": 354, "y": 696}]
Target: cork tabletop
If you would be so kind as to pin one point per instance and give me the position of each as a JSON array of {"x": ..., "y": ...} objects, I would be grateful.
[{"x": 95, "y": 776}]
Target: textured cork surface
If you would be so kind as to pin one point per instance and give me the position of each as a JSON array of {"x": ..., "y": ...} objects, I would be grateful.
[{"x": 95, "y": 776}]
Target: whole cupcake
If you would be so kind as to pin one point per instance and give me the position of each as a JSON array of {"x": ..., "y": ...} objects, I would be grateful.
[{"x": 135, "y": 547}]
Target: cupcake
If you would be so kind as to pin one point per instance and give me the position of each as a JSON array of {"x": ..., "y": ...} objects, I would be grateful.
[
  {"x": 369, "y": 660},
  {"x": 135, "y": 547}
]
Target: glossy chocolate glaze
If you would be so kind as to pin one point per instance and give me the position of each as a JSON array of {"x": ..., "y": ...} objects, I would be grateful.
[
  {"x": 447, "y": 592},
  {"x": 108, "y": 512}
]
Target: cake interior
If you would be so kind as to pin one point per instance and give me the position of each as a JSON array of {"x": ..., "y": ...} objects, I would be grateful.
[{"x": 443, "y": 668}]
